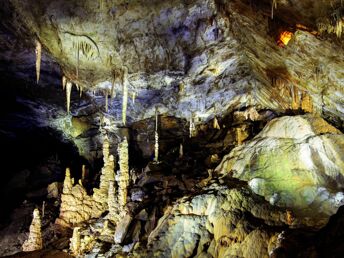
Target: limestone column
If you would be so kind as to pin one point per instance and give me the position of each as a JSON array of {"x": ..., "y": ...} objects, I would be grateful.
[
  {"x": 34, "y": 242},
  {"x": 122, "y": 177}
]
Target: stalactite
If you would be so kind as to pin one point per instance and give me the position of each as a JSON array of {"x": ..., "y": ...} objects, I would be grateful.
[
  {"x": 192, "y": 127},
  {"x": 306, "y": 102},
  {"x": 68, "y": 93},
  {"x": 273, "y": 6},
  {"x": 125, "y": 102},
  {"x": 113, "y": 92},
  {"x": 38, "y": 59},
  {"x": 133, "y": 97},
  {"x": 34, "y": 242},
  {"x": 122, "y": 177},
  {"x": 181, "y": 152},
  {"x": 156, "y": 145},
  {"x": 216, "y": 124},
  {"x": 75, "y": 242},
  {"x": 106, "y": 101},
  {"x": 77, "y": 59},
  {"x": 64, "y": 82}
]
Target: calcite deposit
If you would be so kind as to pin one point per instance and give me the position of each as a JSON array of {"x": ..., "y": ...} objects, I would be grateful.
[
  {"x": 182, "y": 128},
  {"x": 295, "y": 162},
  {"x": 34, "y": 241}
]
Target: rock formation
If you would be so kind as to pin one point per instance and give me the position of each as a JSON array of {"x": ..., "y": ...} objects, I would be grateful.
[
  {"x": 156, "y": 137},
  {"x": 38, "y": 59},
  {"x": 100, "y": 195},
  {"x": 75, "y": 242},
  {"x": 215, "y": 220},
  {"x": 122, "y": 176},
  {"x": 34, "y": 242},
  {"x": 76, "y": 205},
  {"x": 114, "y": 209},
  {"x": 294, "y": 162}
]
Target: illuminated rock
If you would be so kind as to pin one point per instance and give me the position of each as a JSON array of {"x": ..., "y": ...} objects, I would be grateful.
[
  {"x": 38, "y": 59},
  {"x": 113, "y": 204},
  {"x": 214, "y": 224},
  {"x": 34, "y": 242},
  {"x": 75, "y": 242},
  {"x": 295, "y": 162},
  {"x": 122, "y": 176},
  {"x": 107, "y": 176},
  {"x": 76, "y": 205}
]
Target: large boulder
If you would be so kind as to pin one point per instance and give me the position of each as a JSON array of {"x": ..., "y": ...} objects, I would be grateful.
[
  {"x": 224, "y": 220},
  {"x": 295, "y": 162}
]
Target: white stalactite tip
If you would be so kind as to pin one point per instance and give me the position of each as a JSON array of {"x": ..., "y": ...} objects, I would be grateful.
[
  {"x": 125, "y": 103},
  {"x": 68, "y": 93},
  {"x": 38, "y": 59},
  {"x": 64, "y": 82}
]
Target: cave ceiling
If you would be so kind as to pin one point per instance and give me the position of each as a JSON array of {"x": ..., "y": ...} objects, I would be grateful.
[{"x": 188, "y": 58}]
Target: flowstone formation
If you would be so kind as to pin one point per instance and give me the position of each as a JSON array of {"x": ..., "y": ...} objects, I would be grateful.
[
  {"x": 295, "y": 162},
  {"x": 222, "y": 221},
  {"x": 34, "y": 242}
]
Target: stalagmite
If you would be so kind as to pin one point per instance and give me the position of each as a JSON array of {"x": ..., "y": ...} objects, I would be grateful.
[
  {"x": 181, "y": 152},
  {"x": 83, "y": 173},
  {"x": 122, "y": 177},
  {"x": 68, "y": 92},
  {"x": 38, "y": 59},
  {"x": 67, "y": 183},
  {"x": 113, "y": 203},
  {"x": 34, "y": 242},
  {"x": 192, "y": 128},
  {"x": 107, "y": 175},
  {"x": 64, "y": 82},
  {"x": 75, "y": 242},
  {"x": 156, "y": 146},
  {"x": 216, "y": 124}
]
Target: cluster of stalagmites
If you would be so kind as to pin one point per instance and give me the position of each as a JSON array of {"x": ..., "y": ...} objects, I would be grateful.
[{"x": 77, "y": 206}]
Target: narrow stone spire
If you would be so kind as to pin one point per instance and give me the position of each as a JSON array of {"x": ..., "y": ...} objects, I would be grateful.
[
  {"x": 34, "y": 242},
  {"x": 156, "y": 146},
  {"x": 38, "y": 59}
]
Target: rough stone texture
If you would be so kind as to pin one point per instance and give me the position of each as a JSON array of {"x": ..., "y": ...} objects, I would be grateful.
[
  {"x": 76, "y": 205},
  {"x": 220, "y": 222},
  {"x": 202, "y": 57},
  {"x": 294, "y": 162},
  {"x": 34, "y": 242},
  {"x": 122, "y": 176},
  {"x": 100, "y": 196}
]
